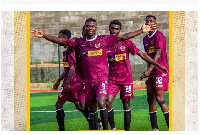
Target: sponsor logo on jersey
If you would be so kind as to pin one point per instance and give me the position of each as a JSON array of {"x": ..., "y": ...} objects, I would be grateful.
[
  {"x": 103, "y": 92},
  {"x": 120, "y": 57},
  {"x": 84, "y": 52},
  {"x": 60, "y": 95},
  {"x": 128, "y": 94},
  {"x": 95, "y": 53},
  {"x": 92, "y": 52},
  {"x": 97, "y": 45},
  {"x": 122, "y": 48},
  {"x": 111, "y": 58},
  {"x": 152, "y": 49},
  {"x": 66, "y": 64},
  {"x": 159, "y": 86}
]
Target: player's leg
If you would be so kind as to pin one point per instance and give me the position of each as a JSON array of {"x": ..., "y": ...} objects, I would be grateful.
[
  {"x": 93, "y": 116},
  {"x": 109, "y": 102},
  {"x": 126, "y": 93},
  {"x": 113, "y": 89},
  {"x": 151, "y": 98},
  {"x": 101, "y": 93},
  {"x": 92, "y": 104},
  {"x": 127, "y": 114},
  {"x": 161, "y": 87},
  {"x": 81, "y": 97},
  {"x": 160, "y": 99},
  {"x": 60, "y": 115}
]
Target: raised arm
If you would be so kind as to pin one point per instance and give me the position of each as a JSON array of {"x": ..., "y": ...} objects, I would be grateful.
[
  {"x": 145, "y": 28},
  {"x": 40, "y": 34}
]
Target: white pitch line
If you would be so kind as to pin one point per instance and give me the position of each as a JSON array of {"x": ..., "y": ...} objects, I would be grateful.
[{"x": 77, "y": 111}]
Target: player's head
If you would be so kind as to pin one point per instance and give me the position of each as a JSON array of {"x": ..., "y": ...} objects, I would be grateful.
[
  {"x": 150, "y": 20},
  {"x": 64, "y": 34},
  {"x": 90, "y": 27},
  {"x": 83, "y": 31},
  {"x": 115, "y": 27}
]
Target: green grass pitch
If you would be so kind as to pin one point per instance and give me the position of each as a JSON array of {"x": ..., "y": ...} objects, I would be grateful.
[{"x": 43, "y": 115}]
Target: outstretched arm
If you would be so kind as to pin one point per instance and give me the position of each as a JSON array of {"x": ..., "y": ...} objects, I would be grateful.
[
  {"x": 145, "y": 28},
  {"x": 153, "y": 62},
  {"x": 40, "y": 34}
]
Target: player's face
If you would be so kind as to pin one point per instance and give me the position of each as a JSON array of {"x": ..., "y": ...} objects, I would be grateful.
[
  {"x": 90, "y": 28},
  {"x": 114, "y": 29},
  {"x": 150, "y": 21},
  {"x": 61, "y": 35}
]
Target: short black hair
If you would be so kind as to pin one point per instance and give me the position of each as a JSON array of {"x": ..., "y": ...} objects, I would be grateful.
[
  {"x": 151, "y": 16},
  {"x": 91, "y": 20},
  {"x": 66, "y": 32},
  {"x": 116, "y": 22}
]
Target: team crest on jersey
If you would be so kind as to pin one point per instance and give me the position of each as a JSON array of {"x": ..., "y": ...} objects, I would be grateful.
[
  {"x": 97, "y": 45},
  {"x": 122, "y": 48}
]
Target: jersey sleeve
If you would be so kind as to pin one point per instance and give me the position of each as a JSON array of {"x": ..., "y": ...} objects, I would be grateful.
[
  {"x": 72, "y": 59},
  {"x": 160, "y": 41},
  {"x": 111, "y": 39},
  {"x": 71, "y": 43},
  {"x": 132, "y": 47}
]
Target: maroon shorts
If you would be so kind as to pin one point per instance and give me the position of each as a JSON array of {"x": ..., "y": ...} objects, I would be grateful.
[
  {"x": 159, "y": 82},
  {"x": 70, "y": 96},
  {"x": 126, "y": 89},
  {"x": 95, "y": 89},
  {"x": 80, "y": 90}
]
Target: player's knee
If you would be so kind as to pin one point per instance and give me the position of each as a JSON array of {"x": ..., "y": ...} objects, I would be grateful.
[
  {"x": 126, "y": 104},
  {"x": 101, "y": 105},
  {"x": 109, "y": 104},
  {"x": 161, "y": 102},
  {"x": 159, "y": 98}
]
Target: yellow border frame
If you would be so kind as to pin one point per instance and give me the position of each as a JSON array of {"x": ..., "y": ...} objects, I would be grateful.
[
  {"x": 170, "y": 70},
  {"x": 28, "y": 70}
]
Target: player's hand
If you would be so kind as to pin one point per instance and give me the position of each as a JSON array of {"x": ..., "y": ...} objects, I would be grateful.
[
  {"x": 66, "y": 88},
  {"x": 153, "y": 27},
  {"x": 165, "y": 71},
  {"x": 37, "y": 33},
  {"x": 55, "y": 86},
  {"x": 145, "y": 28},
  {"x": 145, "y": 74}
]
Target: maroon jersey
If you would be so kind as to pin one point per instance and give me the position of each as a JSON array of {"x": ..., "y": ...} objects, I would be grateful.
[
  {"x": 151, "y": 43},
  {"x": 119, "y": 63},
  {"x": 79, "y": 68},
  {"x": 93, "y": 53},
  {"x": 69, "y": 60}
]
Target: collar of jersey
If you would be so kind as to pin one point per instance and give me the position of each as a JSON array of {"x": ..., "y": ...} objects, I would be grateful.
[
  {"x": 91, "y": 39},
  {"x": 152, "y": 34}
]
